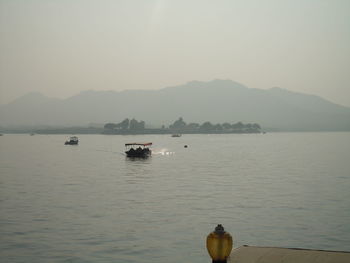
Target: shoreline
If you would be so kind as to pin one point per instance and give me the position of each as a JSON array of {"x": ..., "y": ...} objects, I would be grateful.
[
  {"x": 104, "y": 132},
  {"x": 98, "y": 131}
]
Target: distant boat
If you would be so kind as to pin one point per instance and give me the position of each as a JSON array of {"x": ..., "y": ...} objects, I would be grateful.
[
  {"x": 176, "y": 135},
  {"x": 140, "y": 150},
  {"x": 72, "y": 141},
  {"x": 32, "y": 134}
]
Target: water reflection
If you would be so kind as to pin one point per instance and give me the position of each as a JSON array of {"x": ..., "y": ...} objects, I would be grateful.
[
  {"x": 138, "y": 159},
  {"x": 163, "y": 151},
  {"x": 137, "y": 169}
]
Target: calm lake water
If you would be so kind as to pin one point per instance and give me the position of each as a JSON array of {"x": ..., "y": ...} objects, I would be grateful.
[{"x": 89, "y": 203}]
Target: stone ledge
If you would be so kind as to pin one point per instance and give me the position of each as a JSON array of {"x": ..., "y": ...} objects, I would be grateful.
[{"x": 252, "y": 254}]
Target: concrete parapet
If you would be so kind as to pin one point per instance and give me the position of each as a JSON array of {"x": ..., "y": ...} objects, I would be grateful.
[{"x": 252, "y": 254}]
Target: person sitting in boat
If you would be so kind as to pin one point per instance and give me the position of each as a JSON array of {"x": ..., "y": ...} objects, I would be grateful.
[{"x": 132, "y": 150}]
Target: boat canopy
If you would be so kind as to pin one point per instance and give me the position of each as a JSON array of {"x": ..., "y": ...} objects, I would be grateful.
[{"x": 140, "y": 144}]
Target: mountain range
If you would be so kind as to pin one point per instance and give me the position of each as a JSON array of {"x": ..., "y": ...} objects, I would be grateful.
[{"x": 216, "y": 101}]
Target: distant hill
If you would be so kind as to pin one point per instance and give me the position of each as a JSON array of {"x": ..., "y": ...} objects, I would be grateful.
[{"x": 216, "y": 101}]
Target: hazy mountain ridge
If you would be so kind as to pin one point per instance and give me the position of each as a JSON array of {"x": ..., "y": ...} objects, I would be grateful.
[{"x": 215, "y": 101}]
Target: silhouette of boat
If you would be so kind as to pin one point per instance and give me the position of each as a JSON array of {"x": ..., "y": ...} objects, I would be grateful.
[
  {"x": 176, "y": 135},
  {"x": 72, "y": 141},
  {"x": 138, "y": 149}
]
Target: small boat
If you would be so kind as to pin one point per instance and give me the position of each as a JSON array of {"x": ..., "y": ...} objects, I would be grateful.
[
  {"x": 176, "y": 135},
  {"x": 72, "y": 141},
  {"x": 138, "y": 149}
]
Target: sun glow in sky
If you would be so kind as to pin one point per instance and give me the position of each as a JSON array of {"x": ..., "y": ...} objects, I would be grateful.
[{"x": 60, "y": 48}]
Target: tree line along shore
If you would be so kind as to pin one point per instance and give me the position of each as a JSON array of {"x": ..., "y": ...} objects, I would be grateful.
[
  {"x": 133, "y": 126},
  {"x": 180, "y": 126}
]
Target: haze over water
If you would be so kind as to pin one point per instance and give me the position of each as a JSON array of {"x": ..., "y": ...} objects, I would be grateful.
[{"x": 88, "y": 203}]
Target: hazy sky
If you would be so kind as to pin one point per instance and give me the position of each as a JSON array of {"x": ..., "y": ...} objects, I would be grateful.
[{"x": 62, "y": 47}]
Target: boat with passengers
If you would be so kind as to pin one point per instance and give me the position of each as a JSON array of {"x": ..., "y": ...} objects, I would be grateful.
[
  {"x": 72, "y": 141},
  {"x": 138, "y": 149}
]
